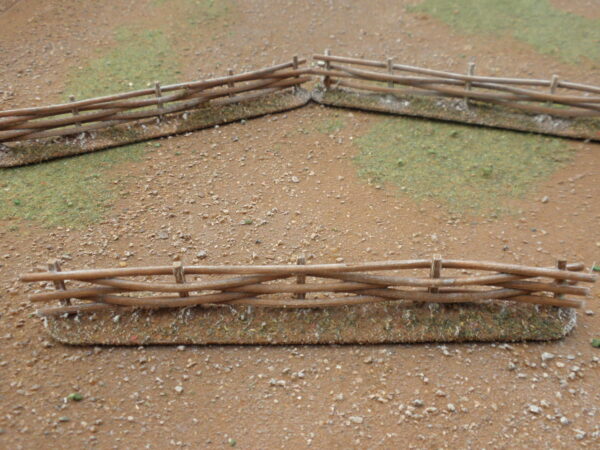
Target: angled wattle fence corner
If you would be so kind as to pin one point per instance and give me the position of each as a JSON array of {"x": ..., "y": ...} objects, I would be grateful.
[{"x": 554, "y": 106}]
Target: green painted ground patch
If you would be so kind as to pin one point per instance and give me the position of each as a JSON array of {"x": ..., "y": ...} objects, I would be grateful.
[
  {"x": 331, "y": 125},
  {"x": 71, "y": 192},
  {"x": 142, "y": 56},
  {"x": 139, "y": 59},
  {"x": 468, "y": 169},
  {"x": 537, "y": 22}
]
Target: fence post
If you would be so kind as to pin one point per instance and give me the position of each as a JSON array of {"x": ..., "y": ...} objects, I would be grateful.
[
  {"x": 230, "y": 83},
  {"x": 390, "y": 68},
  {"x": 295, "y": 67},
  {"x": 301, "y": 279},
  {"x": 327, "y": 79},
  {"x": 75, "y": 111},
  {"x": 54, "y": 266},
  {"x": 436, "y": 271},
  {"x": 159, "y": 105},
  {"x": 561, "y": 264},
  {"x": 179, "y": 274},
  {"x": 470, "y": 72},
  {"x": 553, "y": 84}
]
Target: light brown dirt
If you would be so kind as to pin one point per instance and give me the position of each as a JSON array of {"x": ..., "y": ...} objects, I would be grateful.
[{"x": 424, "y": 396}]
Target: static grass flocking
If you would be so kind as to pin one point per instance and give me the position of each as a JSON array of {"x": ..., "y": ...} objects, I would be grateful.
[
  {"x": 332, "y": 125},
  {"x": 139, "y": 58},
  {"x": 537, "y": 22},
  {"x": 71, "y": 192},
  {"x": 468, "y": 169},
  {"x": 143, "y": 55}
]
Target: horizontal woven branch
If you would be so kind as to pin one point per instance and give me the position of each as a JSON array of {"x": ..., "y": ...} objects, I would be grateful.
[{"x": 349, "y": 283}]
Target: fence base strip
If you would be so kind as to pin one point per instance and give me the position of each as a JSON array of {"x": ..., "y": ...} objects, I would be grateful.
[
  {"x": 29, "y": 152},
  {"x": 375, "y": 323},
  {"x": 454, "y": 111}
]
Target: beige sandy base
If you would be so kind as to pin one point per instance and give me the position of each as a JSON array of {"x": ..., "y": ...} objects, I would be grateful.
[
  {"x": 30, "y": 152},
  {"x": 386, "y": 322},
  {"x": 456, "y": 110}
]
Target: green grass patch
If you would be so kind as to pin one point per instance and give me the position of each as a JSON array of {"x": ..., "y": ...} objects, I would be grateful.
[
  {"x": 71, "y": 192},
  {"x": 332, "y": 125},
  {"x": 140, "y": 58},
  {"x": 536, "y": 22},
  {"x": 468, "y": 169},
  {"x": 196, "y": 11}
]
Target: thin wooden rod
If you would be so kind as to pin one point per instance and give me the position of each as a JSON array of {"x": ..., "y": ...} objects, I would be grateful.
[
  {"x": 312, "y": 303},
  {"x": 59, "y": 285},
  {"x": 74, "y": 293},
  {"x": 516, "y": 269},
  {"x": 301, "y": 279},
  {"x": 436, "y": 271},
  {"x": 305, "y": 288},
  {"x": 287, "y": 269},
  {"x": 179, "y": 274},
  {"x": 170, "y": 302},
  {"x": 461, "y": 297},
  {"x": 324, "y": 270},
  {"x": 188, "y": 287},
  {"x": 302, "y": 288},
  {"x": 561, "y": 264},
  {"x": 393, "y": 280}
]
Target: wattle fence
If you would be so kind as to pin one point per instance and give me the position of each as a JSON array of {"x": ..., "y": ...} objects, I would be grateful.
[
  {"x": 103, "y": 112},
  {"x": 558, "y": 97},
  {"x": 511, "y": 92},
  {"x": 337, "y": 284}
]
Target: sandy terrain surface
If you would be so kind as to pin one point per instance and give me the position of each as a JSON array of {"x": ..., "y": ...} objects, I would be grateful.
[{"x": 189, "y": 198}]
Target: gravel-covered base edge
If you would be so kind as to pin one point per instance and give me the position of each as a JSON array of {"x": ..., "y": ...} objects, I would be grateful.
[{"x": 375, "y": 323}]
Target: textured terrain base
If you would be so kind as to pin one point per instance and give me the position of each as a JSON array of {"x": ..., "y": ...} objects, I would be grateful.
[
  {"x": 375, "y": 323},
  {"x": 30, "y": 152},
  {"x": 455, "y": 110}
]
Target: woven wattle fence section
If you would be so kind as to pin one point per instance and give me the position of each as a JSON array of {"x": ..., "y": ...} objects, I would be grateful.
[
  {"x": 554, "y": 97},
  {"x": 309, "y": 285},
  {"x": 98, "y": 113}
]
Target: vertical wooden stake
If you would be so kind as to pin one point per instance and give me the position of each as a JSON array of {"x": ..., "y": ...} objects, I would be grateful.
[
  {"x": 179, "y": 274},
  {"x": 54, "y": 266},
  {"x": 327, "y": 79},
  {"x": 230, "y": 83},
  {"x": 159, "y": 105},
  {"x": 470, "y": 72},
  {"x": 295, "y": 66},
  {"x": 75, "y": 111},
  {"x": 436, "y": 271},
  {"x": 561, "y": 264},
  {"x": 301, "y": 279},
  {"x": 553, "y": 84},
  {"x": 390, "y": 68}
]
